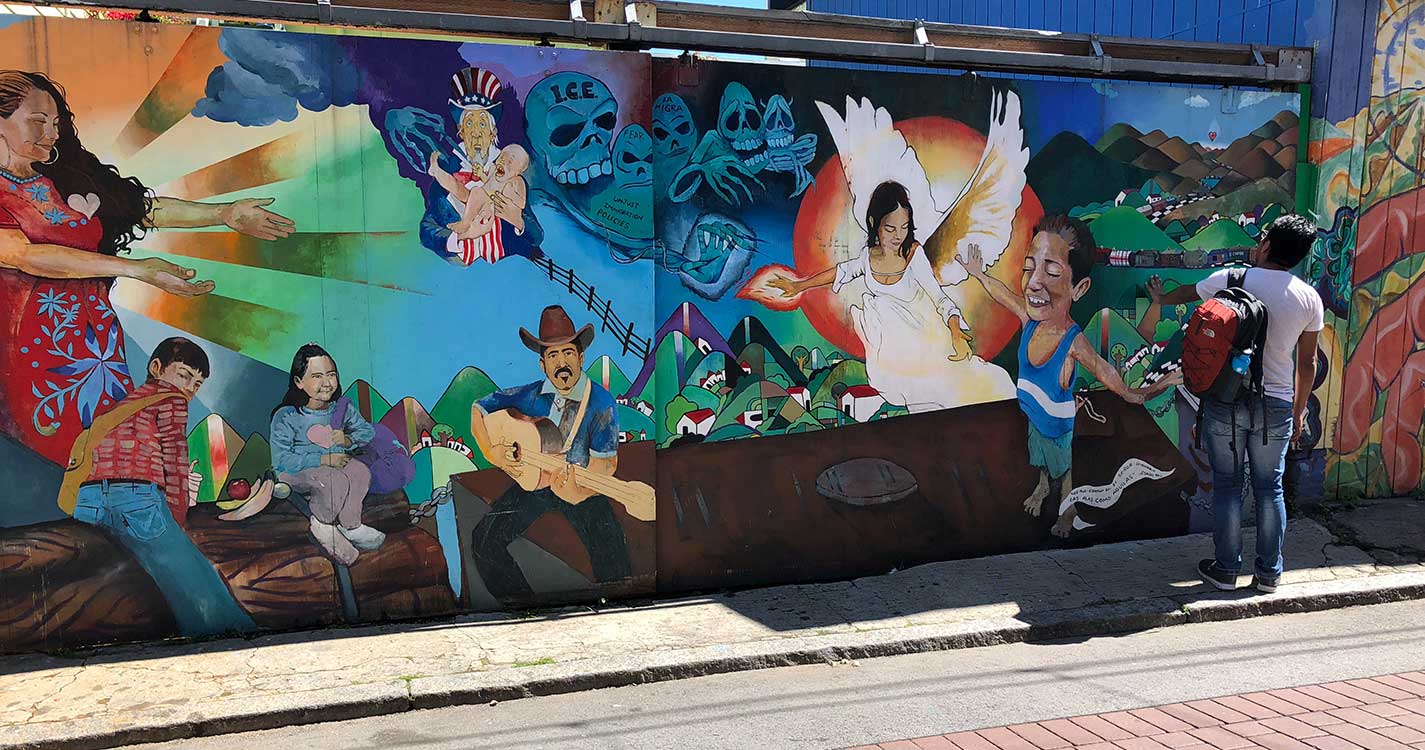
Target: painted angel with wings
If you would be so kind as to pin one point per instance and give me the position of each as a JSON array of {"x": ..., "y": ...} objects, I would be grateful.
[{"x": 917, "y": 341}]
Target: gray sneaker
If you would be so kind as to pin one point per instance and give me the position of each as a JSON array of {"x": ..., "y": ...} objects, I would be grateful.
[
  {"x": 1265, "y": 585},
  {"x": 364, "y": 537},
  {"x": 333, "y": 543}
]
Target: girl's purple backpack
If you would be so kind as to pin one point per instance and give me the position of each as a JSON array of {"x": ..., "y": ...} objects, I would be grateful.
[{"x": 391, "y": 466}]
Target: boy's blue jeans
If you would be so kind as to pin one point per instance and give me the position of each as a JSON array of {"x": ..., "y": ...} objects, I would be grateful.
[
  {"x": 1233, "y": 434},
  {"x": 137, "y": 515}
]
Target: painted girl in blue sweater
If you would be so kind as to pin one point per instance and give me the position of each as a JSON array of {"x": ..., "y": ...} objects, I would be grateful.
[{"x": 314, "y": 457}]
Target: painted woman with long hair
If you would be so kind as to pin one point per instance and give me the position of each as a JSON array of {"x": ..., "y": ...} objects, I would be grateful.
[
  {"x": 917, "y": 347},
  {"x": 66, "y": 221}
]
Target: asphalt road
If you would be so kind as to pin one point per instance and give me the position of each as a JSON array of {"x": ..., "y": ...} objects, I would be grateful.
[{"x": 883, "y": 699}]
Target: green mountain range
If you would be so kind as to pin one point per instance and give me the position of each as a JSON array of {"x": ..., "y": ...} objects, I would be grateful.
[
  {"x": 1220, "y": 234},
  {"x": 1123, "y": 228}
]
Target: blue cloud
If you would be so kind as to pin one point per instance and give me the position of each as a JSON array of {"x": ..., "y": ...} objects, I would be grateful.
[{"x": 270, "y": 75}]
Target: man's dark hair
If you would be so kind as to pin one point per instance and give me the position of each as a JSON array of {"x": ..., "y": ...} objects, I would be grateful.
[
  {"x": 1083, "y": 249},
  {"x": 1289, "y": 239},
  {"x": 181, "y": 350}
]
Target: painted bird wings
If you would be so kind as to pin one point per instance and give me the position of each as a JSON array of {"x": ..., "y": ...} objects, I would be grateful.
[
  {"x": 983, "y": 213},
  {"x": 873, "y": 151}
]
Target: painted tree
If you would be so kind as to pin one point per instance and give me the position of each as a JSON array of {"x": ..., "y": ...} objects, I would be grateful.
[{"x": 1119, "y": 352}]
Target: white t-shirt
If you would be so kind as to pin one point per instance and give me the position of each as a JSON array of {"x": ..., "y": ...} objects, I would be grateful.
[{"x": 1293, "y": 307}]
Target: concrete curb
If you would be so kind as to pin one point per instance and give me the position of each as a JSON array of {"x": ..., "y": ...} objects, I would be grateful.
[{"x": 379, "y": 699}]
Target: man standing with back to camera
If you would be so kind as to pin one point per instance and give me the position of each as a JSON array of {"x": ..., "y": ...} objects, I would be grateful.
[{"x": 1233, "y": 432}]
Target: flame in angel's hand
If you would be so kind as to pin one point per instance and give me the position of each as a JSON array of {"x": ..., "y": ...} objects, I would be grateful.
[{"x": 771, "y": 285}]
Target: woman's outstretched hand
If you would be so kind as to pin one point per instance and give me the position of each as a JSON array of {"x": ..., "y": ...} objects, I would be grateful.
[
  {"x": 248, "y": 216},
  {"x": 171, "y": 278}
]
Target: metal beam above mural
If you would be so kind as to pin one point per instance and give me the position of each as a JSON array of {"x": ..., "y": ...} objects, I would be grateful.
[{"x": 821, "y": 36}]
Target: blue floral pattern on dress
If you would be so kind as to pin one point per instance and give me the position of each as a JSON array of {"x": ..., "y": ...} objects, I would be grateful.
[{"x": 86, "y": 378}]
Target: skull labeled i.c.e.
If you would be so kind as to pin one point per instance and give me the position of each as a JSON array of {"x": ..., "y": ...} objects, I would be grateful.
[
  {"x": 570, "y": 120},
  {"x": 633, "y": 158}
]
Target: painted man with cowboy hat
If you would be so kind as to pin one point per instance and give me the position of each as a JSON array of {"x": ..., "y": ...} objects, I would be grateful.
[
  {"x": 587, "y": 419},
  {"x": 475, "y": 98}
]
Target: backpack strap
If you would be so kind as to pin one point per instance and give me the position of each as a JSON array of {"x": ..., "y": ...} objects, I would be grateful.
[
  {"x": 1236, "y": 278},
  {"x": 80, "y": 464},
  {"x": 339, "y": 414}
]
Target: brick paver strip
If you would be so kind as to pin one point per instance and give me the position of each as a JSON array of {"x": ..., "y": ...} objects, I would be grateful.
[
  {"x": 1140, "y": 743},
  {"x": 1361, "y": 717},
  {"x": 1075, "y": 734},
  {"x": 1280, "y": 742},
  {"x": 1164, "y": 721},
  {"x": 1040, "y": 737},
  {"x": 1248, "y": 729},
  {"x": 1104, "y": 728},
  {"x": 1135, "y": 726},
  {"x": 1378, "y": 713},
  {"x": 1396, "y": 681},
  {"x": 1337, "y": 700},
  {"x": 1176, "y": 740},
  {"x": 1365, "y": 737},
  {"x": 1293, "y": 728},
  {"x": 1307, "y": 702},
  {"x": 1194, "y": 716},
  {"x": 1384, "y": 690},
  {"x": 1403, "y": 734},
  {"x": 1243, "y": 706},
  {"x": 1004, "y": 739},
  {"x": 1352, "y": 691},
  {"x": 970, "y": 741},
  {"x": 1281, "y": 705},
  {"x": 1222, "y": 713},
  {"x": 1332, "y": 742}
]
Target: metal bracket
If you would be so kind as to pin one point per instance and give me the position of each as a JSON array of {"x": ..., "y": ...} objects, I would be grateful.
[
  {"x": 630, "y": 18},
  {"x": 324, "y": 11},
  {"x": 1105, "y": 62},
  {"x": 923, "y": 39},
  {"x": 576, "y": 16},
  {"x": 1257, "y": 56}
]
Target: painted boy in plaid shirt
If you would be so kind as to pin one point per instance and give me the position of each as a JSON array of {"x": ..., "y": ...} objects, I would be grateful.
[{"x": 142, "y": 485}]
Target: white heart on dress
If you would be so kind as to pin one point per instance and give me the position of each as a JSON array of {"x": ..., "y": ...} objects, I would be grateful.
[{"x": 84, "y": 204}]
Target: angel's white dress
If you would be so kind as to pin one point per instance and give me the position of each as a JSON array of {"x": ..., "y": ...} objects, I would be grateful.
[{"x": 908, "y": 344}]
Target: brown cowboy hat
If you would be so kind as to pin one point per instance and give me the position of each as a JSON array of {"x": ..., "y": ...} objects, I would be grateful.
[{"x": 556, "y": 329}]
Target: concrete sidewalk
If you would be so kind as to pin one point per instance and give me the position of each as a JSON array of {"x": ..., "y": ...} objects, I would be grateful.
[{"x": 124, "y": 695}]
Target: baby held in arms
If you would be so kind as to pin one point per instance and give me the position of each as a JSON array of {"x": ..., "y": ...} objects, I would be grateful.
[{"x": 504, "y": 191}]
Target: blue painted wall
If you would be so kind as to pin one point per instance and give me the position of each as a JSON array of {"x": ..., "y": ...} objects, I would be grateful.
[{"x": 1337, "y": 29}]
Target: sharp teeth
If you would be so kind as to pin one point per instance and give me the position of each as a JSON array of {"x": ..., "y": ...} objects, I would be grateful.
[{"x": 707, "y": 239}]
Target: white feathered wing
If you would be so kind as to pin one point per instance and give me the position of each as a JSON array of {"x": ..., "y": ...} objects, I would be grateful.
[{"x": 873, "y": 151}]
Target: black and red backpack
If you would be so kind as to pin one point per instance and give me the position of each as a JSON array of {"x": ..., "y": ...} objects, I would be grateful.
[{"x": 1222, "y": 347}]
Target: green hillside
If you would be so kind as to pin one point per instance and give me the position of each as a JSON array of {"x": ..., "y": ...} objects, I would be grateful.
[
  {"x": 453, "y": 408},
  {"x": 1123, "y": 228},
  {"x": 607, "y": 374},
  {"x": 1220, "y": 234},
  {"x": 254, "y": 460},
  {"x": 372, "y": 405}
]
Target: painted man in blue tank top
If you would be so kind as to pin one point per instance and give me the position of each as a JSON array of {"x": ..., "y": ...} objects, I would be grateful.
[{"x": 1056, "y": 274}]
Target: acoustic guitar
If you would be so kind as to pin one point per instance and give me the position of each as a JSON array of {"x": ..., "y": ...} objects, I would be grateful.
[{"x": 538, "y": 447}]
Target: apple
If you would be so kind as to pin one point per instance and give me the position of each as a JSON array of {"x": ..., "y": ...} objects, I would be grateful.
[{"x": 239, "y": 489}]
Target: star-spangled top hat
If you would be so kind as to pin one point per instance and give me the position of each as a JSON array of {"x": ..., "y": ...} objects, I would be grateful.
[{"x": 475, "y": 89}]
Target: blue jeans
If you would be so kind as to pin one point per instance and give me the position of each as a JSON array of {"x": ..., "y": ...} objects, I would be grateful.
[
  {"x": 136, "y": 514},
  {"x": 1233, "y": 434}
]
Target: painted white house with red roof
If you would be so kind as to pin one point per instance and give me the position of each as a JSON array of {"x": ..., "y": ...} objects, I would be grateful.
[
  {"x": 697, "y": 422},
  {"x": 861, "y": 402}
]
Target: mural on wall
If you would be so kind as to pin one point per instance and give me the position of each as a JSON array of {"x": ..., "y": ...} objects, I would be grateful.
[
  {"x": 966, "y": 272},
  {"x": 311, "y": 328},
  {"x": 300, "y": 225},
  {"x": 1370, "y": 183}
]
